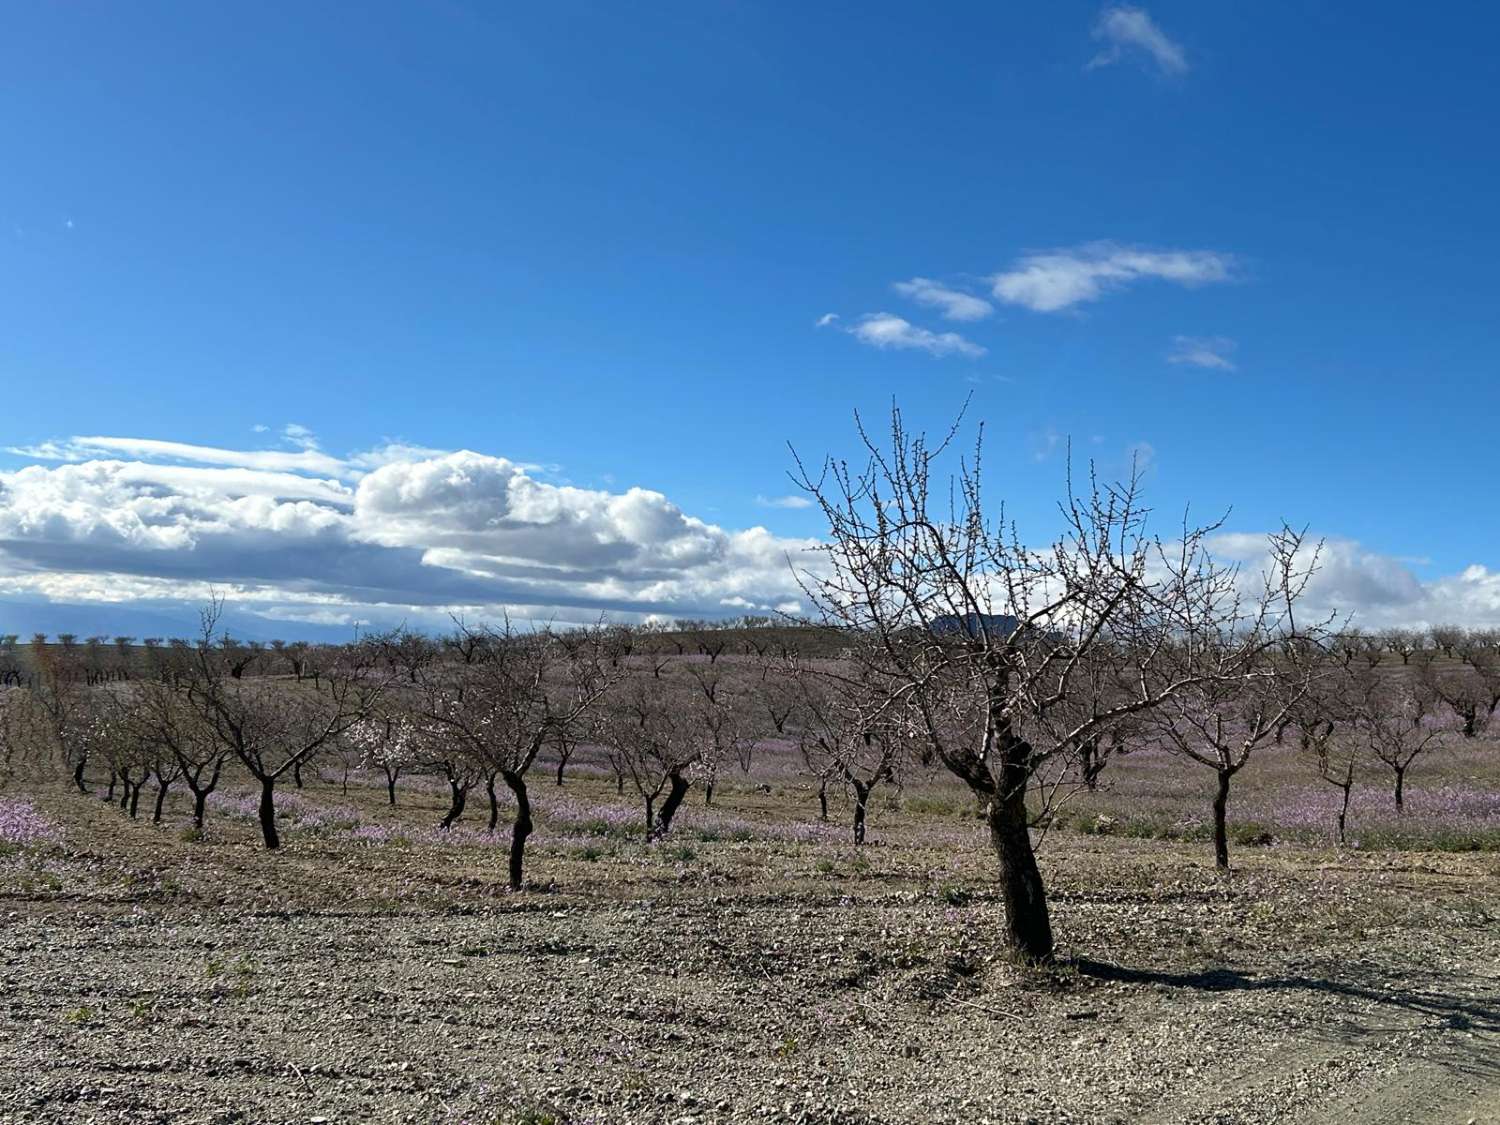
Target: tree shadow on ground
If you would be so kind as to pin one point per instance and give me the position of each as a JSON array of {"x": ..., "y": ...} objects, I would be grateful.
[{"x": 1422, "y": 992}]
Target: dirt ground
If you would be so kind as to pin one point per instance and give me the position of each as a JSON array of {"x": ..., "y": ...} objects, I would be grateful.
[{"x": 152, "y": 978}]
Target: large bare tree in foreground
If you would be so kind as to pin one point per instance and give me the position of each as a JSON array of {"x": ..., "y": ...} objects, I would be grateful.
[{"x": 1009, "y": 658}]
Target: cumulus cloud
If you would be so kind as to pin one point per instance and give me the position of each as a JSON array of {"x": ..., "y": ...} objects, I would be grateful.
[
  {"x": 1202, "y": 351},
  {"x": 420, "y": 534},
  {"x": 1372, "y": 590},
  {"x": 953, "y": 304},
  {"x": 1129, "y": 32},
  {"x": 886, "y": 330},
  {"x": 1052, "y": 280},
  {"x": 402, "y": 533}
]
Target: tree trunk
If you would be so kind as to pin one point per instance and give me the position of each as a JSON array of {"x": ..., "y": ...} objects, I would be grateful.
[
  {"x": 268, "y": 813},
  {"x": 125, "y": 797},
  {"x": 390, "y": 787},
  {"x": 520, "y": 830},
  {"x": 83, "y": 761},
  {"x": 1221, "y": 827},
  {"x": 861, "y": 800},
  {"x": 135, "y": 797},
  {"x": 669, "y": 807},
  {"x": 1028, "y": 926},
  {"x": 1344, "y": 811},
  {"x": 562, "y": 762},
  {"x": 460, "y": 797},
  {"x": 113, "y": 779},
  {"x": 708, "y": 793},
  {"x": 1400, "y": 789},
  {"x": 489, "y": 784},
  {"x": 161, "y": 799},
  {"x": 823, "y": 800},
  {"x": 200, "y": 805},
  {"x": 1089, "y": 763},
  {"x": 297, "y": 773}
]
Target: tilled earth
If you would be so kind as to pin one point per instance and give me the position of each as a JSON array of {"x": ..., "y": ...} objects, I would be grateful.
[{"x": 147, "y": 978}]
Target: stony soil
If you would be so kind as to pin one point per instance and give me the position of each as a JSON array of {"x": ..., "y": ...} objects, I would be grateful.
[{"x": 148, "y": 978}]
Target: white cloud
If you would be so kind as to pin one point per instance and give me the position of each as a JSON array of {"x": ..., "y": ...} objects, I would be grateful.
[
  {"x": 793, "y": 502},
  {"x": 886, "y": 330},
  {"x": 1141, "y": 456},
  {"x": 1126, "y": 31},
  {"x": 88, "y": 448},
  {"x": 1375, "y": 590},
  {"x": 826, "y": 319},
  {"x": 1046, "y": 443},
  {"x": 1202, "y": 351},
  {"x": 423, "y": 534},
  {"x": 420, "y": 528},
  {"x": 953, "y": 304},
  {"x": 299, "y": 436},
  {"x": 1056, "y": 279}
]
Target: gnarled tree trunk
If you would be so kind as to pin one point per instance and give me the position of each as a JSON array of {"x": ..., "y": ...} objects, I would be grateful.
[
  {"x": 268, "y": 813},
  {"x": 1221, "y": 821},
  {"x": 520, "y": 830}
]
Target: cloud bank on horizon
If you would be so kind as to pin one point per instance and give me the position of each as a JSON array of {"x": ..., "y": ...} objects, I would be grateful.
[
  {"x": 402, "y": 533},
  {"x": 393, "y": 533}
]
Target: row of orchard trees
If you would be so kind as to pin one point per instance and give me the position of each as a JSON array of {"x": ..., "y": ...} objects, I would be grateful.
[
  {"x": 479, "y": 707},
  {"x": 1020, "y": 668}
]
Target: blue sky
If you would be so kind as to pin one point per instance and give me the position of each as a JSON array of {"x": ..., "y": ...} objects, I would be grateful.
[{"x": 1253, "y": 242}]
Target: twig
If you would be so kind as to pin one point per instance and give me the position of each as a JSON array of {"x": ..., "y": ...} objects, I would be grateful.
[
  {"x": 984, "y": 1008},
  {"x": 298, "y": 1072}
]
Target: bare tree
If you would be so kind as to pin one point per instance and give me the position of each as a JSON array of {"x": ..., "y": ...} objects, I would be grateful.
[
  {"x": 655, "y": 740},
  {"x": 174, "y": 725},
  {"x": 1220, "y": 724},
  {"x": 512, "y": 694},
  {"x": 1465, "y": 694},
  {"x": 850, "y": 732},
  {"x": 1403, "y": 642},
  {"x": 272, "y": 727},
  {"x": 1398, "y": 723},
  {"x": 1447, "y": 638},
  {"x": 985, "y": 639}
]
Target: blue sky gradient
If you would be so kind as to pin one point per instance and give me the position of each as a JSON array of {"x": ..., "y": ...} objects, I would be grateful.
[{"x": 598, "y": 239}]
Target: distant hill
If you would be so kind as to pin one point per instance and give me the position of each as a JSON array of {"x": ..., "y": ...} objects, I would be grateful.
[{"x": 976, "y": 624}]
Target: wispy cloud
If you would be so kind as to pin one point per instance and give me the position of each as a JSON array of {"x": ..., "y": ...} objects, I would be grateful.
[
  {"x": 826, "y": 319},
  {"x": 953, "y": 304},
  {"x": 791, "y": 502},
  {"x": 299, "y": 436},
  {"x": 1203, "y": 351},
  {"x": 308, "y": 459},
  {"x": 886, "y": 330},
  {"x": 1128, "y": 32},
  {"x": 1051, "y": 280},
  {"x": 1046, "y": 443},
  {"x": 1141, "y": 456}
]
